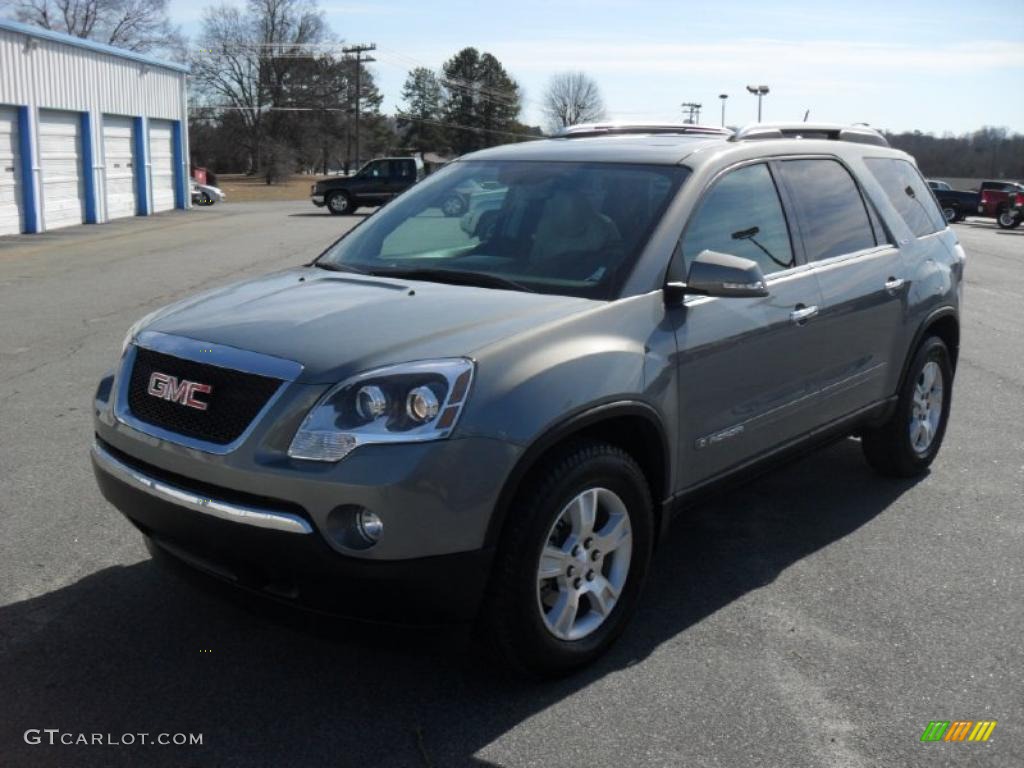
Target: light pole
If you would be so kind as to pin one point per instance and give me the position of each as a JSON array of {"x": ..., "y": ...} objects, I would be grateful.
[
  {"x": 760, "y": 91},
  {"x": 723, "y": 97}
]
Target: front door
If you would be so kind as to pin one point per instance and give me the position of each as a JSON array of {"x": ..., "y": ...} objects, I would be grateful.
[
  {"x": 371, "y": 184},
  {"x": 746, "y": 366}
]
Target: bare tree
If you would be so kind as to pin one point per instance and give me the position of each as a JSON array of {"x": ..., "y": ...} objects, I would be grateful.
[
  {"x": 244, "y": 60},
  {"x": 137, "y": 25},
  {"x": 572, "y": 98}
]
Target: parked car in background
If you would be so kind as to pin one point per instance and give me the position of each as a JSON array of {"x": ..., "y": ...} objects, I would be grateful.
[
  {"x": 955, "y": 205},
  {"x": 994, "y": 202},
  {"x": 374, "y": 184},
  {"x": 205, "y": 194},
  {"x": 495, "y": 424}
]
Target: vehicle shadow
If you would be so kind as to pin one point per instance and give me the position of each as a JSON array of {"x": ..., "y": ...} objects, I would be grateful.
[{"x": 137, "y": 649}]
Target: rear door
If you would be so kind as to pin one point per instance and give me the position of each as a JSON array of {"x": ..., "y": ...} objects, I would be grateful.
[
  {"x": 402, "y": 176},
  {"x": 747, "y": 366},
  {"x": 862, "y": 279}
]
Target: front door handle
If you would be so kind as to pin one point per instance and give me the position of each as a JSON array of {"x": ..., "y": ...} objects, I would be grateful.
[
  {"x": 893, "y": 284},
  {"x": 802, "y": 314}
]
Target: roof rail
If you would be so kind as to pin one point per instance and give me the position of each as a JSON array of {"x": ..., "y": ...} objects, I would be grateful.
[
  {"x": 860, "y": 134},
  {"x": 612, "y": 128}
]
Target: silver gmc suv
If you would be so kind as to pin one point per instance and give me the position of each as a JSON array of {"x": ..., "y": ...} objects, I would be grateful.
[{"x": 491, "y": 417}]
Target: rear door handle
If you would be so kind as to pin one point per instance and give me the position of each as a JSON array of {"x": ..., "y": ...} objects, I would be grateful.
[
  {"x": 893, "y": 284},
  {"x": 802, "y": 314}
]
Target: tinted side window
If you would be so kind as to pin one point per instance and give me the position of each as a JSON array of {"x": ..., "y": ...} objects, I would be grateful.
[
  {"x": 832, "y": 214},
  {"x": 908, "y": 194},
  {"x": 379, "y": 169},
  {"x": 742, "y": 215}
]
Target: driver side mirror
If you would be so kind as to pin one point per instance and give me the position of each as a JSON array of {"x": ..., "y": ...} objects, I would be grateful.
[{"x": 719, "y": 274}]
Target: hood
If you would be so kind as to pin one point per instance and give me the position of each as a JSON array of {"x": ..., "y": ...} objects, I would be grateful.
[{"x": 337, "y": 324}]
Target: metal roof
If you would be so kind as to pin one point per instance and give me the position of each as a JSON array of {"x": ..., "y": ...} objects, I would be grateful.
[{"x": 89, "y": 45}]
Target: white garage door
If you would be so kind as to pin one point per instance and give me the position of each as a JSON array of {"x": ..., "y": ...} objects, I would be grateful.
[
  {"x": 10, "y": 173},
  {"x": 161, "y": 158},
  {"x": 60, "y": 148},
  {"x": 119, "y": 166}
]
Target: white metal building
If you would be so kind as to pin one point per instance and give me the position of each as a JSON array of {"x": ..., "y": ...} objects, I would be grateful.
[{"x": 88, "y": 133}]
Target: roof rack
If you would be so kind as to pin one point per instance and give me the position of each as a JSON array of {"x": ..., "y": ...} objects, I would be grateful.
[
  {"x": 860, "y": 134},
  {"x": 612, "y": 128}
]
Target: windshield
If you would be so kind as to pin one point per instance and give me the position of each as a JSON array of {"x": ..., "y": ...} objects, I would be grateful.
[{"x": 565, "y": 228}]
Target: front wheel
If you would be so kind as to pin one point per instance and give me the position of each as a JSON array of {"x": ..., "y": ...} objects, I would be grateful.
[
  {"x": 950, "y": 214},
  {"x": 909, "y": 441},
  {"x": 571, "y": 565},
  {"x": 454, "y": 205},
  {"x": 1009, "y": 219},
  {"x": 339, "y": 203}
]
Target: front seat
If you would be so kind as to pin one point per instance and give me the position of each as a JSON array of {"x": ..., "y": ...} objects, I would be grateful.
[{"x": 570, "y": 225}]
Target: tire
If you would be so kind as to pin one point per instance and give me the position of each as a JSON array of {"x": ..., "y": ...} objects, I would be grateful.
[
  {"x": 950, "y": 214},
  {"x": 205, "y": 199},
  {"x": 520, "y": 610},
  {"x": 1008, "y": 219},
  {"x": 890, "y": 449},
  {"x": 454, "y": 205},
  {"x": 340, "y": 203}
]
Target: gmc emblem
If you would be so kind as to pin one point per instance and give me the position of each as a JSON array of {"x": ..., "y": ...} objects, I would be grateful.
[{"x": 183, "y": 392}]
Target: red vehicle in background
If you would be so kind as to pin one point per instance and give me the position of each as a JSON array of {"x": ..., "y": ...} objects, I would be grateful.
[
  {"x": 997, "y": 200},
  {"x": 1017, "y": 207}
]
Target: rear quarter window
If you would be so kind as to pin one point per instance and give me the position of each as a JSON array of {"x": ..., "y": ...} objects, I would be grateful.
[{"x": 908, "y": 193}]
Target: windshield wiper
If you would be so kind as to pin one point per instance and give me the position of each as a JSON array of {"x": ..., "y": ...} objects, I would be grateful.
[{"x": 452, "y": 276}]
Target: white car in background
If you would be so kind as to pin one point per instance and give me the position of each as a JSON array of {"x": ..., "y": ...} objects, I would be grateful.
[{"x": 204, "y": 194}]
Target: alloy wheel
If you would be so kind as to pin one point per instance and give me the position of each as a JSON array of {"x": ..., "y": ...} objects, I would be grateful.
[
  {"x": 926, "y": 410},
  {"x": 584, "y": 564}
]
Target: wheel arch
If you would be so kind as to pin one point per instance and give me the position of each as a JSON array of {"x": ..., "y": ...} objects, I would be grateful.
[
  {"x": 634, "y": 426},
  {"x": 943, "y": 323}
]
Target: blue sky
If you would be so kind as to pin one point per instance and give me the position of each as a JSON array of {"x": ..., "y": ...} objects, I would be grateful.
[{"x": 933, "y": 65}]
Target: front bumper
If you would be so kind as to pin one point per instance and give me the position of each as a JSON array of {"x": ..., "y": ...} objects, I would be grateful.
[
  {"x": 317, "y": 200},
  {"x": 279, "y": 554}
]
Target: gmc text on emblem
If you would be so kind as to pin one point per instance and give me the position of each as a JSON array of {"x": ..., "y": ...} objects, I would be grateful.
[{"x": 169, "y": 388}]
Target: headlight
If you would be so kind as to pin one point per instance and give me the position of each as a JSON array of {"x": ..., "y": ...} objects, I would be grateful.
[{"x": 407, "y": 403}]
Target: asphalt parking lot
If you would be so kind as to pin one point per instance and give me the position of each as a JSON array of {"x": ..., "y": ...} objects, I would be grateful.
[{"x": 819, "y": 616}]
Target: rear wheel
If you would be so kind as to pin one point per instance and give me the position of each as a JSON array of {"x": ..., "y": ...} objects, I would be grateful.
[
  {"x": 571, "y": 565},
  {"x": 339, "y": 203},
  {"x": 908, "y": 442},
  {"x": 454, "y": 205},
  {"x": 1008, "y": 219},
  {"x": 950, "y": 213}
]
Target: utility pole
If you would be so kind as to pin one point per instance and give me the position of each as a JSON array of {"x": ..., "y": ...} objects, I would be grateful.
[
  {"x": 723, "y": 97},
  {"x": 693, "y": 112},
  {"x": 359, "y": 50}
]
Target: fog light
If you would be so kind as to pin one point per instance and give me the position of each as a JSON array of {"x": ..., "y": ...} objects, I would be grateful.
[
  {"x": 353, "y": 527},
  {"x": 370, "y": 526}
]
